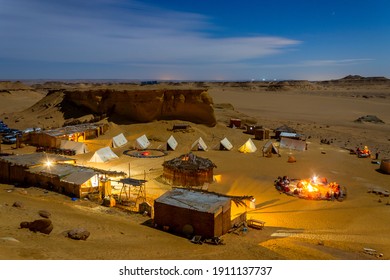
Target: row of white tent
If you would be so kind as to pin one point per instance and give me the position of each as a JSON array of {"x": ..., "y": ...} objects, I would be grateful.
[
  {"x": 106, "y": 154},
  {"x": 81, "y": 148},
  {"x": 248, "y": 147}
]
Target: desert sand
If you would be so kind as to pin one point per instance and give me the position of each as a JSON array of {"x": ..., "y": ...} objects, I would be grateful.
[{"x": 294, "y": 228}]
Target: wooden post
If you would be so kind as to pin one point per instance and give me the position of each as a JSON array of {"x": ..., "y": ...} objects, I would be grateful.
[{"x": 145, "y": 185}]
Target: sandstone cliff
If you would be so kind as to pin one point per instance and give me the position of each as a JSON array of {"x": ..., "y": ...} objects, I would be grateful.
[{"x": 194, "y": 105}]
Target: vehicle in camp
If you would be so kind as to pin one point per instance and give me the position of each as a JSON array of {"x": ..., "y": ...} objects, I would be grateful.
[
  {"x": 4, "y": 129},
  {"x": 31, "y": 129},
  {"x": 9, "y": 139},
  {"x": 11, "y": 136}
]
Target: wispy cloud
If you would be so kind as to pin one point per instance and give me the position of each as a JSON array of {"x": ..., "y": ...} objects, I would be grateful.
[
  {"x": 336, "y": 62},
  {"x": 121, "y": 31},
  {"x": 319, "y": 63}
]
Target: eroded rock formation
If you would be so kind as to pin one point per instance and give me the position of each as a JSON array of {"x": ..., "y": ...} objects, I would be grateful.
[{"x": 194, "y": 105}]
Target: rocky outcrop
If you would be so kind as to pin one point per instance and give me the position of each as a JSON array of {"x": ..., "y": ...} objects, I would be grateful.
[
  {"x": 42, "y": 225},
  {"x": 369, "y": 118},
  {"x": 356, "y": 80},
  {"x": 194, "y": 105}
]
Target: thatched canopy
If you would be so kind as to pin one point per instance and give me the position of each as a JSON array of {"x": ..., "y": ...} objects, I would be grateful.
[{"x": 189, "y": 162}]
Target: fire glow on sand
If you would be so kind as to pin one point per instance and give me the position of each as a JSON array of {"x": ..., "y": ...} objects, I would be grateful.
[{"x": 313, "y": 188}]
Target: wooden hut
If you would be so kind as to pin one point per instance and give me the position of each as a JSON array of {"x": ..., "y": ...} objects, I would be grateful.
[
  {"x": 262, "y": 133},
  {"x": 250, "y": 129},
  {"x": 189, "y": 212},
  {"x": 77, "y": 133},
  {"x": 283, "y": 129},
  {"x": 61, "y": 175},
  {"x": 71, "y": 180},
  {"x": 13, "y": 169},
  {"x": 188, "y": 170},
  {"x": 235, "y": 123}
]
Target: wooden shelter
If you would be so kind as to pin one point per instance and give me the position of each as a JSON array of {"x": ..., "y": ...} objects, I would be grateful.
[
  {"x": 293, "y": 144},
  {"x": 131, "y": 192},
  {"x": 262, "y": 133},
  {"x": 189, "y": 212},
  {"x": 71, "y": 180},
  {"x": 77, "y": 133},
  {"x": 56, "y": 173},
  {"x": 250, "y": 129},
  {"x": 188, "y": 170},
  {"x": 235, "y": 123},
  {"x": 14, "y": 168},
  {"x": 283, "y": 129}
]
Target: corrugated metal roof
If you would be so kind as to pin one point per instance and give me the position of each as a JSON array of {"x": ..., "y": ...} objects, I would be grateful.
[
  {"x": 34, "y": 159},
  {"x": 66, "y": 172},
  {"x": 79, "y": 178},
  {"x": 67, "y": 130},
  {"x": 56, "y": 169},
  {"x": 194, "y": 200},
  {"x": 289, "y": 134}
]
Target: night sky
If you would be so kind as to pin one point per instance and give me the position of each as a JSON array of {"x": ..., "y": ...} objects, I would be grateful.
[{"x": 194, "y": 40}]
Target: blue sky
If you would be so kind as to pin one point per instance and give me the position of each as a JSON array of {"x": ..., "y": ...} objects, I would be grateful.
[{"x": 194, "y": 40}]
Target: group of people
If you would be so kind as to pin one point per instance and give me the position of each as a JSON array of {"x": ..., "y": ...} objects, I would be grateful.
[
  {"x": 334, "y": 191},
  {"x": 282, "y": 184},
  {"x": 363, "y": 152},
  {"x": 315, "y": 188}
]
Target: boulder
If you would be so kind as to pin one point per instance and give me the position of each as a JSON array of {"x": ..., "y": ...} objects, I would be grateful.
[
  {"x": 78, "y": 234},
  {"x": 42, "y": 225},
  {"x": 17, "y": 204},
  {"x": 44, "y": 214}
]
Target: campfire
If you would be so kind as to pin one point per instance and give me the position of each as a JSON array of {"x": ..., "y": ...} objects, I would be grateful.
[
  {"x": 361, "y": 153},
  {"x": 312, "y": 188}
]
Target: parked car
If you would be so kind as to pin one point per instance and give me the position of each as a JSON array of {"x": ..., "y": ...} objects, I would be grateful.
[
  {"x": 31, "y": 129},
  {"x": 4, "y": 130},
  {"x": 9, "y": 138}
]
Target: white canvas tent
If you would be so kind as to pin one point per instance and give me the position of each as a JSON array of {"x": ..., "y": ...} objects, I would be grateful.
[
  {"x": 292, "y": 144},
  {"x": 171, "y": 143},
  {"x": 142, "y": 142},
  {"x": 269, "y": 148},
  {"x": 225, "y": 144},
  {"x": 248, "y": 147},
  {"x": 103, "y": 155},
  {"x": 199, "y": 145},
  {"x": 119, "y": 141},
  {"x": 78, "y": 147}
]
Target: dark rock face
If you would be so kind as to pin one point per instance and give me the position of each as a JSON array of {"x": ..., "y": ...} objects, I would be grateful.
[
  {"x": 78, "y": 234},
  {"x": 194, "y": 105},
  {"x": 42, "y": 225}
]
